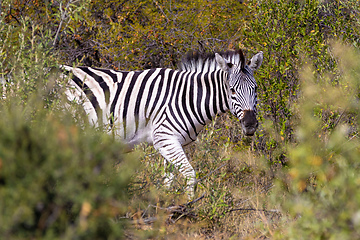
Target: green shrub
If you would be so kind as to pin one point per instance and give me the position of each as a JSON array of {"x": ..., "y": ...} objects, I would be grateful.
[
  {"x": 289, "y": 31},
  {"x": 323, "y": 177},
  {"x": 70, "y": 169},
  {"x": 59, "y": 178}
]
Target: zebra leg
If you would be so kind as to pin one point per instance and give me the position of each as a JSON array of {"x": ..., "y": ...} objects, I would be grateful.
[
  {"x": 173, "y": 152},
  {"x": 168, "y": 176}
]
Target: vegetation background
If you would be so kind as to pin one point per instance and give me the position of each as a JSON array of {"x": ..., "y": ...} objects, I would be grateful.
[{"x": 297, "y": 178}]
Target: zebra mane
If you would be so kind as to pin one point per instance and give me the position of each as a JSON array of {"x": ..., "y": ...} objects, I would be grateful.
[{"x": 205, "y": 62}]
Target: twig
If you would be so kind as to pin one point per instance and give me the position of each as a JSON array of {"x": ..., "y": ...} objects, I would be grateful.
[
  {"x": 196, "y": 200},
  {"x": 263, "y": 190},
  {"x": 207, "y": 175},
  {"x": 143, "y": 221},
  {"x": 100, "y": 44},
  {"x": 254, "y": 209},
  {"x": 172, "y": 209},
  {"x": 338, "y": 120},
  {"x": 161, "y": 10},
  {"x": 62, "y": 17},
  {"x": 215, "y": 39}
]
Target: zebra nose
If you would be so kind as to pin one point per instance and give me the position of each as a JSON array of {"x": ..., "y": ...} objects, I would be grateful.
[{"x": 249, "y": 123}]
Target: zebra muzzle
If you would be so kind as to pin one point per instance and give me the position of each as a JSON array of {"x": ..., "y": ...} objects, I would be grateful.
[{"x": 249, "y": 123}]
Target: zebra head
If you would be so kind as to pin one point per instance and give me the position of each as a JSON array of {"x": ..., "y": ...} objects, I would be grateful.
[{"x": 242, "y": 88}]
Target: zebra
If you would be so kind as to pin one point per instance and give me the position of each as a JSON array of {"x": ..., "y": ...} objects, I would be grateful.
[{"x": 168, "y": 108}]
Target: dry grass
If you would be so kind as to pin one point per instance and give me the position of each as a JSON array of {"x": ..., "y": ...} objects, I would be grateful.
[{"x": 235, "y": 183}]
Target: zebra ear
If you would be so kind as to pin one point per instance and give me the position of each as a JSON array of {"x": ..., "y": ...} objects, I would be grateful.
[
  {"x": 223, "y": 63},
  {"x": 256, "y": 61}
]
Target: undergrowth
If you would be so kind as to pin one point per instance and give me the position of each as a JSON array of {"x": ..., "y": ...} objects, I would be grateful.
[
  {"x": 297, "y": 178},
  {"x": 231, "y": 194}
]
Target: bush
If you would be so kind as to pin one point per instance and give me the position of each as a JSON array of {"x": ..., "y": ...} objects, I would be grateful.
[
  {"x": 323, "y": 177},
  {"x": 292, "y": 33},
  {"x": 59, "y": 178},
  {"x": 81, "y": 202}
]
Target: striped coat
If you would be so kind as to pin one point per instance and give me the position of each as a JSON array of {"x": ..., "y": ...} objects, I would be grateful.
[{"x": 168, "y": 108}]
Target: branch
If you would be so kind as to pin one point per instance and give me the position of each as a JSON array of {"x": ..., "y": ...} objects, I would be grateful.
[
  {"x": 161, "y": 10},
  {"x": 196, "y": 200},
  {"x": 254, "y": 209},
  {"x": 62, "y": 18},
  {"x": 143, "y": 221},
  {"x": 338, "y": 120},
  {"x": 207, "y": 175}
]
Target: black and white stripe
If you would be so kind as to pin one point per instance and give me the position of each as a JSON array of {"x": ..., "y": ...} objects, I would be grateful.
[{"x": 165, "y": 107}]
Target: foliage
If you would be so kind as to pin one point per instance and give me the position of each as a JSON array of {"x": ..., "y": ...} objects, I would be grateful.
[
  {"x": 58, "y": 179},
  {"x": 141, "y": 34},
  {"x": 134, "y": 34},
  {"x": 232, "y": 189},
  {"x": 324, "y": 168},
  {"x": 317, "y": 156},
  {"x": 287, "y": 32}
]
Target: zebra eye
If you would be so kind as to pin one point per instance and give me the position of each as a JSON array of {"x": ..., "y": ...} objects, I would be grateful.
[{"x": 232, "y": 91}]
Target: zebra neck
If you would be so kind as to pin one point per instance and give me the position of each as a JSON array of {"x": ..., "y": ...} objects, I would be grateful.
[{"x": 211, "y": 95}]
